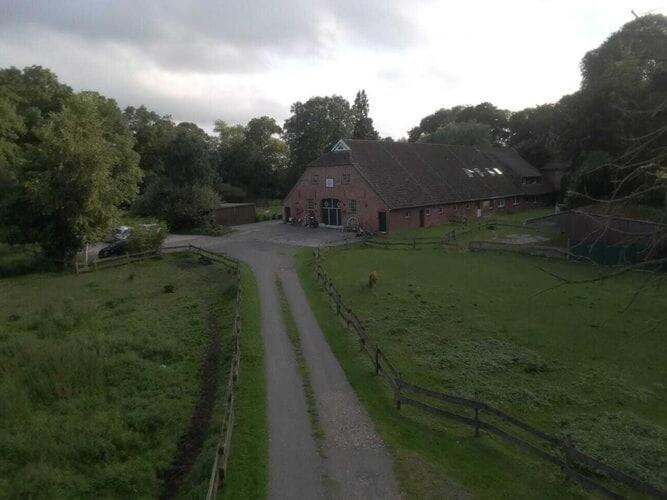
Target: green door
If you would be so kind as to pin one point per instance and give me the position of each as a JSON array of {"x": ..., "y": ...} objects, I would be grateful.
[{"x": 331, "y": 213}]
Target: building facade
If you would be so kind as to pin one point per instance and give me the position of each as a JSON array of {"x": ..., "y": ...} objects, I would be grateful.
[{"x": 387, "y": 187}]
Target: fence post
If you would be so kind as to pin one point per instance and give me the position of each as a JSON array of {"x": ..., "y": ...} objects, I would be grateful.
[
  {"x": 476, "y": 422},
  {"x": 398, "y": 391},
  {"x": 377, "y": 361}
]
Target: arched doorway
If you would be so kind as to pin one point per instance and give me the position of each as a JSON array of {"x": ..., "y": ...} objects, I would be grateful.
[{"x": 331, "y": 214}]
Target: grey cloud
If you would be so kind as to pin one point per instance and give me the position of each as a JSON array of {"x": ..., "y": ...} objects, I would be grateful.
[{"x": 214, "y": 35}]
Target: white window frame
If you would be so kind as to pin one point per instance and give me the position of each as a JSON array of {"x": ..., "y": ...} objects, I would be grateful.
[
  {"x": 407, "y": 214},
  {"x": 501, "y": 203},
  {"x": 329, "y": 182},
  {"x": 428, "y": 211},
  {"x": 516, "y": 200}
]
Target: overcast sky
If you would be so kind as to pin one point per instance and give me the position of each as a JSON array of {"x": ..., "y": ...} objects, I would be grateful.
[{"x": 232, "y": 59}]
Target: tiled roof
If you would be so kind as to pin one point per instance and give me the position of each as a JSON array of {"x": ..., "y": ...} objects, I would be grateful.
[{"x": 420, "y": 174}]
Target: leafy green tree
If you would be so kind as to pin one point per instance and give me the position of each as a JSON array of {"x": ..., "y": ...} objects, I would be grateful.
[
  {"x": 484, "y": 113},
  {"x": 313, "y": 127},
  {"x": 77, "y": 176},
  {"x": 536, "y": 133},
  {"x": 152, "y": 134},
  {"x": 253, "y": 157},
  {"x": 36, "y": 93},
  {"x": 463, "y": 133},
  {"x": 362, "y": 123},
  {"x": 11, "y": 128}
]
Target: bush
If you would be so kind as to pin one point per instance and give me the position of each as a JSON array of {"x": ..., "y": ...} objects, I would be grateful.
[{"x": 146, "y": 237}]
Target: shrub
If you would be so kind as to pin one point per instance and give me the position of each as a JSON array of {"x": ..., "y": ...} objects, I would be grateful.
[{"x": 146, "y": 237}]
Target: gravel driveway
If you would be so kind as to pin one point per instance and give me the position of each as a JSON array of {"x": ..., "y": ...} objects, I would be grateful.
[{"x": 357, "y": 464}]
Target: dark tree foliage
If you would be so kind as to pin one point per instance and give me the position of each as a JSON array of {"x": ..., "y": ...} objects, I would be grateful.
[
  {"x": 362, "y": 123},
  {"x": 253, "y": 158},
  {"x": 314, "y": 126},
  {"x": 484, "y": 113}
]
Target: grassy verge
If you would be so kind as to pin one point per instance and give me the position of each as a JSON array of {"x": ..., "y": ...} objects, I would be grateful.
[
  {"x": 16, "y": 260},
  {"x": 99, "y": 374},
  {"x": 458, "y": 322},
  {"x": 248, "y": 463},
  {"x": 304, "y": 371}
]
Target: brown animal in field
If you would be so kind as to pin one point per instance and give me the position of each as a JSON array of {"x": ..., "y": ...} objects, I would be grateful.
[{"x": 373, "y": 279}]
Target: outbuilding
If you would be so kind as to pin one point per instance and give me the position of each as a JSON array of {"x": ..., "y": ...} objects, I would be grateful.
[
  {"x": 387, "y": 186},
  {"x": 234, "y": 214}
]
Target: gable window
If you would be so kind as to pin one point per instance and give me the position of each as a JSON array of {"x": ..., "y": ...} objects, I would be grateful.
[
  {"x": 353, "y": 206},
  {"x": 316, "y": 178},
  {"x": 346, "y": 177},
  {"x": 501, "y": 203},
  {"x": 329, "y": 182}
]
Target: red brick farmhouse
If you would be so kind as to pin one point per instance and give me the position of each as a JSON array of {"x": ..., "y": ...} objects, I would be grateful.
[{"x": 388, "y": 186}]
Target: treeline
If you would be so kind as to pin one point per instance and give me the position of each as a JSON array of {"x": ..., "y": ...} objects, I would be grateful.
[
  {"x": 70, "y": 162},
  {"x": 612, "y": 132}
]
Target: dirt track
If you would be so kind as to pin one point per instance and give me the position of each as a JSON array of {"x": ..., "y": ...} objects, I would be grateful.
[{"x": 357, "y": 464}]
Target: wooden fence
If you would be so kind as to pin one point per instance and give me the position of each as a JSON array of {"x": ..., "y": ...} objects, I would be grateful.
[
  {"x": 223, "y": 447},
  {"x": 576, "y": 465},
  {"x": 110, "y": 262}
]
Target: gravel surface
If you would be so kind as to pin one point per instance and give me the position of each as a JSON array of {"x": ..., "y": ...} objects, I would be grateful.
[{"x": 356, "y": 463}]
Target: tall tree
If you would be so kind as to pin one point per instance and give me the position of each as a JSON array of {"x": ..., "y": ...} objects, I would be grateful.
[
  {"x": 484, "y": 113},
  {"x": 76, "y": 177},
  {"x": 314, "y": 126},
  {"x": 362, "y": 123},
  {"x": 463, "y": 133}
]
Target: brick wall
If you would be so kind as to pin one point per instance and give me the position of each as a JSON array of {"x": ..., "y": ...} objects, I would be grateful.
[
  {"x": 441, "y": 214},
  {"x": 348, "y": 186}
]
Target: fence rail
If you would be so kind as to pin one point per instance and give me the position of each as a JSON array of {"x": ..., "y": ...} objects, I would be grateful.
[{"x": 575, "y": 464}]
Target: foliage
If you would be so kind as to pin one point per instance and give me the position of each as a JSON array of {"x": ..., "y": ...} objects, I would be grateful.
[
  {"x": 99, "y": 375},
  {"x": 484, "y": 114},
  {"x": 462, "y": 133},
  {"x": 71, "y": 182},
  {"x": 313, "y": 127},
  {"x": 146, "y": 237},
  {"x": 362, "y": 123},
  {"x": 253, "y": 157}
]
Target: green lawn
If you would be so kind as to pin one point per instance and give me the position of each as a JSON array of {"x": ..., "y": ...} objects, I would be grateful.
[
  {"x": 571, "y": 361},
  {"x": 99, "y": 374},
  {"x": 16, "y": 260},
  {"x": 248, "y": 464}
]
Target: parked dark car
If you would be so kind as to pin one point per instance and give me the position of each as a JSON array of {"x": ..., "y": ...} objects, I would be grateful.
[{"x": 117, "y": 248}]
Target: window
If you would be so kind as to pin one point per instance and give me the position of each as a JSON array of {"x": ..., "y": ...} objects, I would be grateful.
[
  {"x": 353, "y": 206},
  {"x": 407, "y": 214},
  {"x": 501, "y": 203},
  {"x": 490, "y": 171},
  {"x": 346, "y": 177},
  {"x": 428, "y": 211},
  {"x": 468, "y": 172},
  {"x": 498, "y": 171},
  {"x": 516, "y": 200},
  {"x": 329, "y": 182},
  {"x": 316, "y": 178},
  {"x": 467, "y": 205},
  {"x": 440, "y": 211},
  {"x": 310, "y": 204}
]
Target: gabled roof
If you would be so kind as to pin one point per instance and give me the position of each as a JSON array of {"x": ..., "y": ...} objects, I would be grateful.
[{"x": 419, "y": 174}]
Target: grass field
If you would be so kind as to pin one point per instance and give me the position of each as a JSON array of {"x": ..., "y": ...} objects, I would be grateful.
[
  {"x": 571, "y": 360},
  {"x": 99, "y": 374}
]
